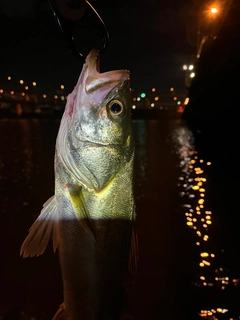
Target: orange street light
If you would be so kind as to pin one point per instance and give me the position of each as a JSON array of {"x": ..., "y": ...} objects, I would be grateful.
[
  {"x": 214, "y": 10},
  {"x": 207, "y": 24}
]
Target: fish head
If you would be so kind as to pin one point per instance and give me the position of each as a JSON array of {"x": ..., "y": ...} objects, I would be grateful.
[{"x": 95, "y": 137}]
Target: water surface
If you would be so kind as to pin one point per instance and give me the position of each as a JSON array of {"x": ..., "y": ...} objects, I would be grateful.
[{"x": 188, "y": 224}]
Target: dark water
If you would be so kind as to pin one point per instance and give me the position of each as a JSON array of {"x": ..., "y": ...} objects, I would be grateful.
[{"x": 188, "y": 225}]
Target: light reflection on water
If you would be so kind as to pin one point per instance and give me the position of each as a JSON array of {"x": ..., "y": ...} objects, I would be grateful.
[{"x": 213, "y": 276}]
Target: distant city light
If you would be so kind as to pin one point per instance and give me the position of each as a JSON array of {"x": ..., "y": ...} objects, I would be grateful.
[
  {"x": 192, "y": 75},
  {"x": 186, "y": 101},
  {"x": 214, "y": 10},
  {"x": 184, "y": 67},
  {"x": 190, "y": 67},
  {"x": 180, "y": 108},
  {"x": 9, "y": 78},
  {"x": 144, "y": 103}
]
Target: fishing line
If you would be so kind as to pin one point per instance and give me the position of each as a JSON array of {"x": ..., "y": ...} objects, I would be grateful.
[{"x": 80, "y": 24}]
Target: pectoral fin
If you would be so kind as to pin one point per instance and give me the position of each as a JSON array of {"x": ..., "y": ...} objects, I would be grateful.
[
  {"x": 78, "y": 203},
  {"x": 60, "y": 314},
  {"x": 133, "y": 253},
  {"x": 42, "y": 231}
]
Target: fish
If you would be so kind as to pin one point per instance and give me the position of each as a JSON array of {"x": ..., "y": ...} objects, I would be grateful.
[{"x": 91, "y": 218}]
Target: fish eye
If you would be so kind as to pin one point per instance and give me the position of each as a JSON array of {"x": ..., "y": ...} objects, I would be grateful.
[{"x": 116, "y": 107}]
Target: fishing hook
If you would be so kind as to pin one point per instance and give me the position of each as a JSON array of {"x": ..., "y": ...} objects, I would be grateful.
[{"x": 68, "y": 12}]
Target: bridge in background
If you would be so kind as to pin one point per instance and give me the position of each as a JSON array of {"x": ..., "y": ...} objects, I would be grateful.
[{"x": 19, "y": 103}]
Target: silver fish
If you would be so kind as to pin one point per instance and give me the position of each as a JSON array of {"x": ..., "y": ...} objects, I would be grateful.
[{"x": 91, "y": 216}]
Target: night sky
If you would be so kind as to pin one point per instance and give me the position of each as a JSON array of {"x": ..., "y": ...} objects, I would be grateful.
[{"x": 151, "y": 38}]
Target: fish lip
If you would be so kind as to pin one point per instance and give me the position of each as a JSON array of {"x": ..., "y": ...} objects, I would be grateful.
[
  {"x": 94, "y": 144},
  {"x": 79, "y": 142},
  {"x": 87, "y": 143}
]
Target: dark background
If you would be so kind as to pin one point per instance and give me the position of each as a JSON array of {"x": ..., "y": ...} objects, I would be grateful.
[{"x": 153, "y": 39}]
